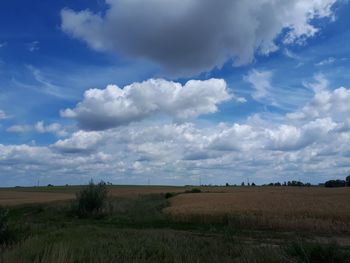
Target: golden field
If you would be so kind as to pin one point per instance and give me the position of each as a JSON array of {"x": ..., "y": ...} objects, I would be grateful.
[
  {"x": 32, "y": 195},
  {"x": 315, "y": 209},
  {"x": 285, "y": 208}
]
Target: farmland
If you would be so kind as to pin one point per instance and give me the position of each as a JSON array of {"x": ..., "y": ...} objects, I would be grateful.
[{"x": 218, "y": 224}]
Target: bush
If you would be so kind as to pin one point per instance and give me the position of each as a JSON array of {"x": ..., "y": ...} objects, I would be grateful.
[
  {"x": 169, "y": 195},
  {"x": 194, "y": 190},
  {"x": 4, "y": 229},
  {"x": 335, "y": 183},
  {"x": 91, "y": 199}
]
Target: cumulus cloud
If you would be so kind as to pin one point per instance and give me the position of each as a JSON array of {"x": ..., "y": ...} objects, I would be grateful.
[
  {"x": 19, "y": 128},
  {"x": 55, "y": 128},
  {"x": 315, "y": 147},
  {"x": 114, "y": 106},
  {"x": 326, "y": 103},
  {"x": 192, "y": 36},
  {"x": 79, "y": 142},
  {"x": 39, "y": 127}
]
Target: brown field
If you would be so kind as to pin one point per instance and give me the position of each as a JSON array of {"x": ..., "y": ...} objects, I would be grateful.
[
  {"x": 18, "y": 196},
  {"x": 8, "y": 197},
  {"x": 286, "y": 208}
]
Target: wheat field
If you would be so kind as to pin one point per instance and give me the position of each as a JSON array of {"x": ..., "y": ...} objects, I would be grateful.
[{"x": 286, "y": 208}]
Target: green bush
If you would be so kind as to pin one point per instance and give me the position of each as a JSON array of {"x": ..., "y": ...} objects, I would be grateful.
[
  {"x": 91, "y": 199},
  {"x": 4, "y": 229},
  {"x": 169, "y": 195},
  {"x": 194, "y": 191}
]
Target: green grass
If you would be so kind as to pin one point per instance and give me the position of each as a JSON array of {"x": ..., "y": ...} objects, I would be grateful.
[{"x": 136, "y": 230}]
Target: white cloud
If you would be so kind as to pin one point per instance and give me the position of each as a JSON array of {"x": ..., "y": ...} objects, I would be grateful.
[
  {"x": 33, "y": 46},
  {"x": 261, "y": 82},
  {"x": 195, "y": 35},
  {"x": 79, "y": 142},
  {"x": 315, "y": 147},
  {"x": 333, "y": 104},
  {"x": 327, "y": 61},
  {"x": 3, "y": 115},
  {"x": 114, "y": 106},
  {"x": 39, "y": 127},
  {"x": 55, "y": 128},
  {"x": 19, "y": 128}
]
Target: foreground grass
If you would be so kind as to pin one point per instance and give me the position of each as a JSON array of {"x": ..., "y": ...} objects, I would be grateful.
[{"x": 136, "y": 230}]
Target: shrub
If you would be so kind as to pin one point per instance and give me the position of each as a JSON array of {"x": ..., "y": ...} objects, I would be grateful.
[
  {"x": 92, "y": 198},
  {"x": 194, "y": 190},
  {"x": 335, "y": 183},
  {"x": 169, "y": 195},
  {"x": 4, "y": 229},
  {"x": 316, "y": 253}
]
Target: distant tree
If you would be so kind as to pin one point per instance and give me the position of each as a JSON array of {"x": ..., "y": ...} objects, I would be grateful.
[
  {"x": 248, "y": 184},
  {"x": 285, "y": 183},
  {"x": 227, "y": 184},
  {"x": 348, "y": 180},
  {"x": 253, "y": 184},
  {"x": 335, "y": 183},
  {"x": 277, "y": 184},
  {"x": 242, "y": 184}
]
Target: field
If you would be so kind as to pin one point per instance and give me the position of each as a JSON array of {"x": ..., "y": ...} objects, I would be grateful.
[
  {"x": 142, "y": 224},
  {"x": 34, "y": 195},
  {"x": 285, "y": 208}
]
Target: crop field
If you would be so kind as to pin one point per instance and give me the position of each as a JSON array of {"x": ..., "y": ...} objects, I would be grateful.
[
  {"x": 286, "y": 208},
  {"x": 177, "y": 224},
  {"x": 33, "y": 195}
]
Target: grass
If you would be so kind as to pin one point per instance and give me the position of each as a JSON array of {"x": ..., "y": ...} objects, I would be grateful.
[{"x": 136, "y": 230}]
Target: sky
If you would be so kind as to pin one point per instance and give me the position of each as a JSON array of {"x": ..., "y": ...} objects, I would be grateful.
[{"x": 174, "y": 93}]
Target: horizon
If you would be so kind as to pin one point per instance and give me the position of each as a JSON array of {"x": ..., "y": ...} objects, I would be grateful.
[{"x": 177, "y": 94}]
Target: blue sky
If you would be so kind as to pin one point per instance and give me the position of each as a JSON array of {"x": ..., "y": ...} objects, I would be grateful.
[{"x": 268, "y": 68}]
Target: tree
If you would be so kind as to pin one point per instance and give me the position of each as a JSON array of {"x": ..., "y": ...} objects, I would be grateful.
[
  {"x": 242, "y": 184},
  {"x": 92, "y": 198},
  {"x": 348, "y": 180},
  {"x": 335, "y": 183}
]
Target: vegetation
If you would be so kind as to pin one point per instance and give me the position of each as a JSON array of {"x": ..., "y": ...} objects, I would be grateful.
[
  {"x": 194, "y": 191},
  {"x": 91, "y": 199},
  {"x": 4, "y": 228},
  {"x": 137, "y": 228},
  {"x": 315, "y": 209},
  {"x": 336, "y": 183}
]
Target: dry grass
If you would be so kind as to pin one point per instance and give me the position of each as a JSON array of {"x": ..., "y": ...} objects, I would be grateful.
[{"x": 286, "y": 208}]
